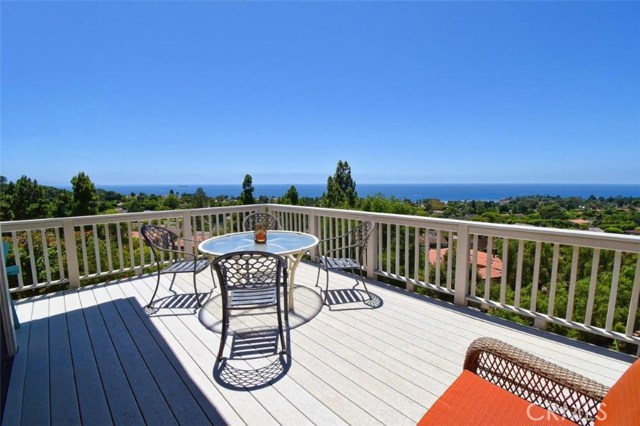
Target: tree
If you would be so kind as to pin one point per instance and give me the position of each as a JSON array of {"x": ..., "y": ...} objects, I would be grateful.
[
  {"x": 341, "y": 188},
  {"x": 200, "y": 199},
  {"x": 85, "y": 197},
  {"x": 28, "y": 199},
  {"x": 172, "y": 201},
  {"x": 291, "y": 197},
  {"x": 246, "y": 197}
]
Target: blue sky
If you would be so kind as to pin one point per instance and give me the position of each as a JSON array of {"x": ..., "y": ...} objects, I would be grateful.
[{"x": 205, "y": 92}]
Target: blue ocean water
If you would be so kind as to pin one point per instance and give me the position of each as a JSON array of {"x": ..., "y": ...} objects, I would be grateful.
[{"x": 413, "y": 192}]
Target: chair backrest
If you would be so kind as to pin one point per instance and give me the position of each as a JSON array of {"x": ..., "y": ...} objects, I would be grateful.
[
  {"x": 360, "y": 234},
  {"x": 159, "y": 238},
  {"x": 253, "y": 219},
  {"x": 250, "y": 270},
  {"x": 5, "y": 251}
]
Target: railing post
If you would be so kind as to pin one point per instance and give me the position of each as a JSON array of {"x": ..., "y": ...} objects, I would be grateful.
[
  {"x": 372, "y": 244},
  {"x": 5, "y": 311},
  {"x": 187, "y": 231},
  {"x": 313, "y": 230},
  {"x": 462, "y": 265},
  {"x": 73, "y": 269}
]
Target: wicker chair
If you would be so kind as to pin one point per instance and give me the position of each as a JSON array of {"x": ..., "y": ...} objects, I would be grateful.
[
  {"x": 250, "y": 221},
  {"x": 503, "y": 385},
  {"x": 251, "y": 280},
  {"x": 352, "y": 254},
  {"x": 164, "y": 241}
]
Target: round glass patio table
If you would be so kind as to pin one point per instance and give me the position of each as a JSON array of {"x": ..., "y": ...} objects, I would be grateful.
[{"x": 291, "y": 244}]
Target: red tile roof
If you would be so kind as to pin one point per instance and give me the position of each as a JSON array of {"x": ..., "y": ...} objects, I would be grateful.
[{"x": 496, "y": 262}]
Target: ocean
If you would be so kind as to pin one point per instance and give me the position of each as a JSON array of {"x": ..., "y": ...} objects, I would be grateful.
[{"x": 413, "y": 192}]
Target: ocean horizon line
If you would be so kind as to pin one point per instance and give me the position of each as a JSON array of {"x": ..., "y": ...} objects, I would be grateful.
[{"x": 413, "y": 192}]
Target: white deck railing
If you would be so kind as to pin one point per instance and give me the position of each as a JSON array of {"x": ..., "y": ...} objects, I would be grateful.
[{"x": 539, "y": 274}]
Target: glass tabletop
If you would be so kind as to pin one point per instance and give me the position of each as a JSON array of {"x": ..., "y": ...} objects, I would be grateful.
[{"x": 278, "y": 242}]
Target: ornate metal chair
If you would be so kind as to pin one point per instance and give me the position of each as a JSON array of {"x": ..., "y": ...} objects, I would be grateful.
[
  {"x": 164, "y": 241},
  {"x": 251, "y": 280},
  {"x": 250, "y": 221},
  {"x": 354, "y": 252}
]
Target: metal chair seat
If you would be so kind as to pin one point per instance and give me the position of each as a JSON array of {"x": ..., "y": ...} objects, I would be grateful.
[
  {"x": 253, "y": 297},
  {"x": 186, "y": 266},
  {"x": 339, "y": 263}
]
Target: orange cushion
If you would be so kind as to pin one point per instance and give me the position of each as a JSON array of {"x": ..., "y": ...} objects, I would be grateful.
[
  {"x": 471, "y": 400},
  {"x": 621, "y": 405}
]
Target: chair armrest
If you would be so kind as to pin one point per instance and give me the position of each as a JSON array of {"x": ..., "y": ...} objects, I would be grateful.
[
  {"x": 337, "y": 249},
  {"x": 177, "y": 253},
  {"x": 534, "y": 379}
]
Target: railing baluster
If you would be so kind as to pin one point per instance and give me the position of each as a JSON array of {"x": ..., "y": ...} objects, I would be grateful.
[
  {"x": 487, "y": 278},
  {"x": 132, "y": 262},
  {"x": 613, "y": 294},
  {"x": 379, "y": 231},
  {"x": 438, "y": 256},
  {"x": 536, "y": 278},
  {"x": 449, "y": 260},
  {"x": 59, "y": 251},
  {"x": 595, "y": 262},
  {"x": 407, "y": 273},
  {"x": 554, "y": 279},
  {"x": 107, "y": 231},
  {"x": 474, "y": 267},
  {"x": 96, "y": 248},
  {"x": 83, "y": 246},
  {"x": 503, "y": 278},
  {"x": 518, "y": 289},
  {"x": 141, "y": 246},
  {"x": 572, "y": 282},
  {"x": 427, "y": 261},
  {"x": 45, "y": 252},
  {"x": 416, "y": 254},
  {"x": 397, "y": 244},
  {"x": 388, "y": 247},
  {"x": 633, "y": 305},
  {"x": 120, "y": 250}
]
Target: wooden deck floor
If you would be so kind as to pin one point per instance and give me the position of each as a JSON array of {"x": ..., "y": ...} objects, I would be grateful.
[{"x": 93, "y": 356}]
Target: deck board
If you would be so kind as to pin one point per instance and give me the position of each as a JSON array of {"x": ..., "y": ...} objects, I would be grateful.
[
  {"x": 120, "y": 397},
  {"x": 64, "y": 398},
  {"x": 36, "y": 382},
  {"x": 355, "y": 365}
]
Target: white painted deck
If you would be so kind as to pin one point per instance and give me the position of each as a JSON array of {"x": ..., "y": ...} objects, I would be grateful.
[{"x": 93, "y": 356}]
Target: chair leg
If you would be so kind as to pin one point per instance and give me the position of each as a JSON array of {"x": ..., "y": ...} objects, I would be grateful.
[
  {"x": 223, "y": 335},
  {"x": 364, "y": 284},
  {"x": 172, "y": 280},
  {"x": 280, "y": 327},
  {"x": 326, "y": 290},
  {"x": 213, "y": 278},
  {"x": 318, "y": 277},
  {"x": 195, "y": 288},
  {"x": 155, "y": 291}
]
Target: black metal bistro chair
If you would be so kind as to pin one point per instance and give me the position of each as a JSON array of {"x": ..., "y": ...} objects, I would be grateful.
[
  {"x": 251, "y": 280},
  {"x": 250, "y": 221},
  {"x": 348, "y": 257},
  {"x": 164, "y": 241}
]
